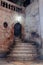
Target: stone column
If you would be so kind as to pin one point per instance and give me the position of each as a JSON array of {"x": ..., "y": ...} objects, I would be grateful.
[{"x": 41, "y": 21}]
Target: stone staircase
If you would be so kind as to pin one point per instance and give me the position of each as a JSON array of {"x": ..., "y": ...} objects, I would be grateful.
[{"x": 23, "y": 51}]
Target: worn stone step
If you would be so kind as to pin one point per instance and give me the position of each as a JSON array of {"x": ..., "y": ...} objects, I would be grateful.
[
  {"x": 23, "y": 51},
  {"x": 17, "y": 52},
  {"x": 23, "y": 47}
]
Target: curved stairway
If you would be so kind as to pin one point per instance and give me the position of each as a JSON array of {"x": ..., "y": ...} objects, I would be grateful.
[{"x": 23, "y": 51}]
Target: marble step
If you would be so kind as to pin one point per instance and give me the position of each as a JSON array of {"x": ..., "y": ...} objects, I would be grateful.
[{"x": 23, "y": 51}]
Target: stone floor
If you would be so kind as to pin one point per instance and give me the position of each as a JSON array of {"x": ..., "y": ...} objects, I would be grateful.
[{"x": 4, "y": 62}]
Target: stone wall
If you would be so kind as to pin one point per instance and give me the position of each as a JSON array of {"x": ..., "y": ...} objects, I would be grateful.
[
  {"x": 41, "y": 22},
  {"x": 32, "y": 19},
  {"x": 6, "y": 34}
]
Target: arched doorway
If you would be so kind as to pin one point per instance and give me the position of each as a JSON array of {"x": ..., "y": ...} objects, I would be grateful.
[{"x": 17, "y": 29}]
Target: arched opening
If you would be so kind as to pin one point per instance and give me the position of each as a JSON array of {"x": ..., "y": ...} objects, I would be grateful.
[{"x": 17, "y": 30}]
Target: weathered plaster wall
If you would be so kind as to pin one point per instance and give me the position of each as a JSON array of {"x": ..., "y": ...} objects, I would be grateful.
[
  {"x": 32, "y": 18},
  {"x": 6, "y": 34}
]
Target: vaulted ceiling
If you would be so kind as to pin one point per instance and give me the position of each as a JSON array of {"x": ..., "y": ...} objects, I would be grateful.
[{"x": 24, "y": 3}]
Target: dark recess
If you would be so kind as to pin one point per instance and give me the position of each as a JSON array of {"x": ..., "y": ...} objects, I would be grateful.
[{"x": 25, "y": 3}]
